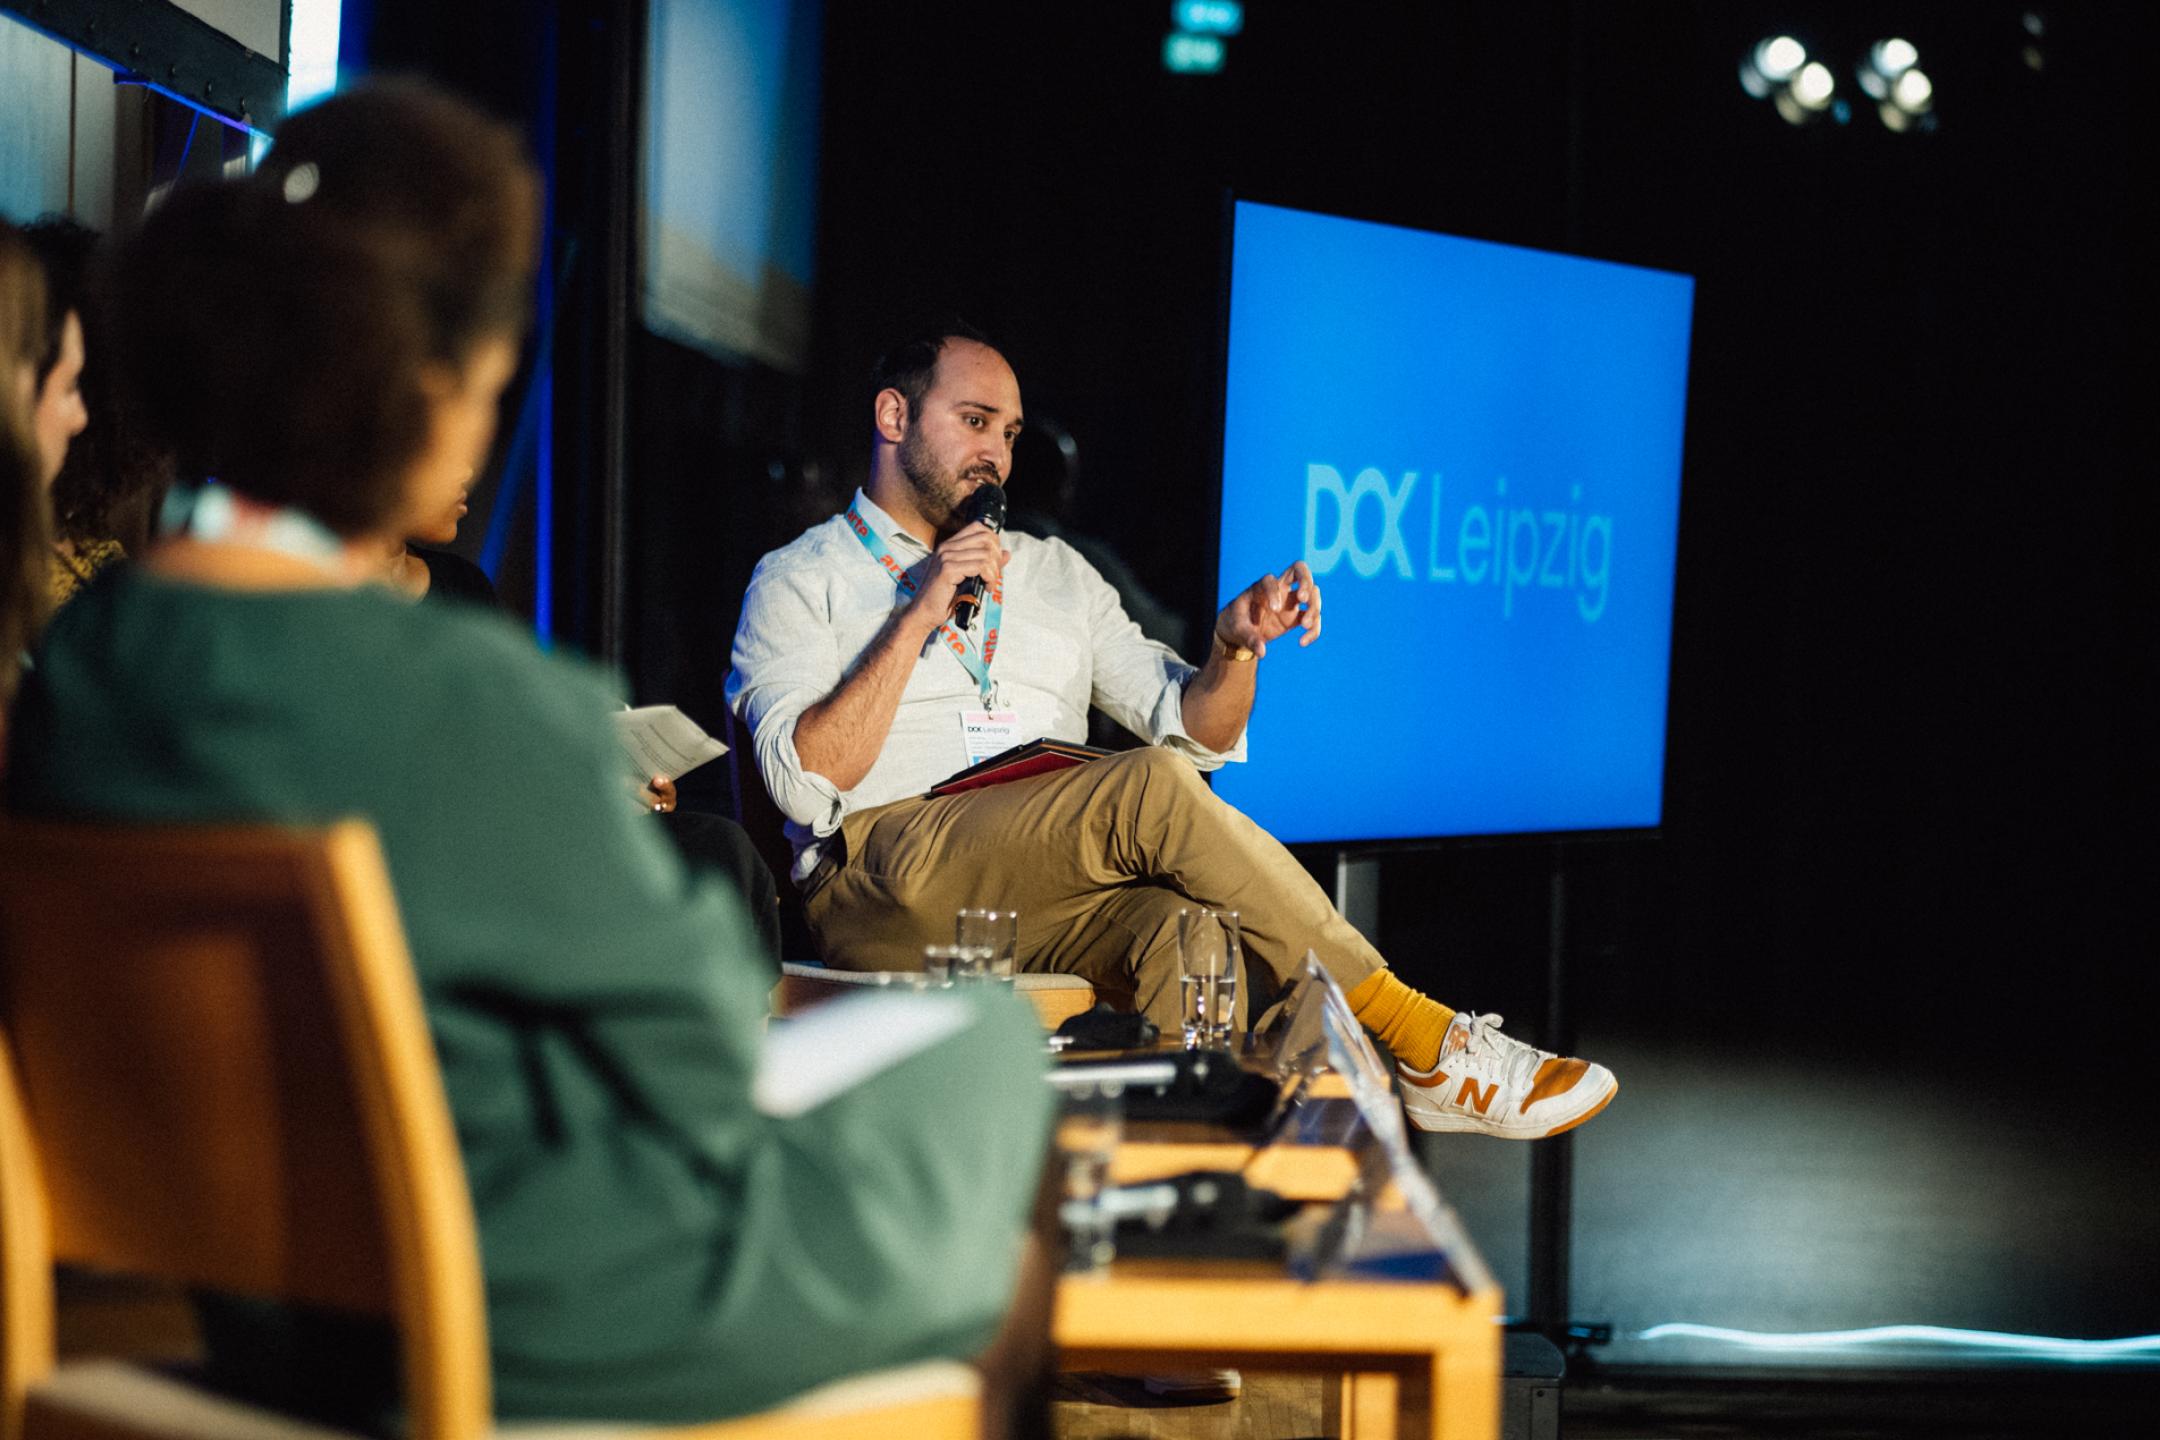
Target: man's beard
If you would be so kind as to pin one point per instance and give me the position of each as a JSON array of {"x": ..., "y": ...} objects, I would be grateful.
[{"x": 938, "y": 493}]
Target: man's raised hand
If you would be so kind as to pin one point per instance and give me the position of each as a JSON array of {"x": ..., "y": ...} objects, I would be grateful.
[{"x": 1270, "y": 608}]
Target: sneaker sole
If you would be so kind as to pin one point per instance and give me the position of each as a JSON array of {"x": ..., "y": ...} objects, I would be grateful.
[{"x": 1462, "y": 1124}]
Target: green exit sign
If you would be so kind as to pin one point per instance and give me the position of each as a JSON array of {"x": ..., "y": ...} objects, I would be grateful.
[
  {"x": 1208, "y": 17},
  {"x": 1187, "y": 54}
]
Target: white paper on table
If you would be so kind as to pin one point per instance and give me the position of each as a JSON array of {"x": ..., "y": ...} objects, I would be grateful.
[
  {"x": 811, "y": 1057},
  {"x": 661, "y": 740}
]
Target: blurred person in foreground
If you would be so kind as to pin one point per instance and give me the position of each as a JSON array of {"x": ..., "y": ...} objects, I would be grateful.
[
  {"x": 662, "y": 1241},
  {"x": 419, "y": 567},
  {"x": 22, "y": 490}
]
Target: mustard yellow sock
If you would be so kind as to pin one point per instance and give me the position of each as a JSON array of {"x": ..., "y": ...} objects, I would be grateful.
[{"x": 1410, "y": 1024}]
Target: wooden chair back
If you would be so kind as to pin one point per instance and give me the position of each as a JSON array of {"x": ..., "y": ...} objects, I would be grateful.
[{"x": 215, "y": 1071}]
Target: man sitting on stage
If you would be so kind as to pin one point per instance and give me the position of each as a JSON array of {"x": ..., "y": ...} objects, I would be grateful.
[{"x": 862, "y": 693}]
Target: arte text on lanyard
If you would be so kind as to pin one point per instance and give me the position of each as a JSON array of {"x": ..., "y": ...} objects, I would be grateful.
[{"x": 993, "y": 610}]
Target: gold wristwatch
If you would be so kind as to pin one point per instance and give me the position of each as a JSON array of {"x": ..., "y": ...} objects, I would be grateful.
[{"x": 1234, "y": 653}]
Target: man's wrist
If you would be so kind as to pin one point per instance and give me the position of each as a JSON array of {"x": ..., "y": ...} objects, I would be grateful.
[
  {"x": 1233, "y": 652},
  {"x": 920, "y": 617}
]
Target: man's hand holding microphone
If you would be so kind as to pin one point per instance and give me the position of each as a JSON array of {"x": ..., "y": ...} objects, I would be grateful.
[{"x": 964, "y": 565}]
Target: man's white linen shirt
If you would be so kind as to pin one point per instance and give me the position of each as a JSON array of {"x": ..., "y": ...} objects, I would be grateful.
[{"x": 815, "y": 605}]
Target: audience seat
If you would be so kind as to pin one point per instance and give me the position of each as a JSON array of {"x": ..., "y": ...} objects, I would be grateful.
[{"x": 215, "y": 1072}]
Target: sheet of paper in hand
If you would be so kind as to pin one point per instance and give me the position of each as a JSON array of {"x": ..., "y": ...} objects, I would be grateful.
[
  {"x": 661, "y": 740},
  {"x": 1036, "y": 757}
]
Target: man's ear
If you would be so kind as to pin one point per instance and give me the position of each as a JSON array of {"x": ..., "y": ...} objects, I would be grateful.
[{"x": 889, "y": 412}]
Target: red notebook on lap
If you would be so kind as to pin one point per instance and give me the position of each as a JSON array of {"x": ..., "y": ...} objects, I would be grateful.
[{"x": 1036, "y": 757}]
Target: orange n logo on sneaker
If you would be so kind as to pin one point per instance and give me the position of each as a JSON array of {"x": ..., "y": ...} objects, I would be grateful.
[{"x": 1471, "y": 1096}]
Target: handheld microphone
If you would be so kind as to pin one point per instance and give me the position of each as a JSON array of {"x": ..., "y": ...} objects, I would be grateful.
[{"x": 987, "y": 504}]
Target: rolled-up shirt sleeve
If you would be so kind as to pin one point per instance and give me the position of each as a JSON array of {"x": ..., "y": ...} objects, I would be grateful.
[
  {"x": 1138, "y": 682},
  {"x": 786, "y": 659}
]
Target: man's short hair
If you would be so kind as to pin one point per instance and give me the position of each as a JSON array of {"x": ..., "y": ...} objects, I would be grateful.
[{"x": 911, "y": 365}]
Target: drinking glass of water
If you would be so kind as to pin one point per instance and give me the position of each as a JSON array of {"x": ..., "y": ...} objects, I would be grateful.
[
  {"x": 1208, "y": 976},
  {"x": 1090, "y": 1124},
  {"x": 997, "y": 931},
  {"x": 955, "y": 964}
]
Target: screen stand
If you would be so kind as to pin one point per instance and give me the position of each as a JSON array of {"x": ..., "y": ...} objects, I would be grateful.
[
  {"x": 1552, "y": 1162},
  {"x": 1357, "y": 892}
]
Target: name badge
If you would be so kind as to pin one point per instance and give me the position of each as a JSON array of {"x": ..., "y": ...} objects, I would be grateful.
[{"x": 988, "y": 732}]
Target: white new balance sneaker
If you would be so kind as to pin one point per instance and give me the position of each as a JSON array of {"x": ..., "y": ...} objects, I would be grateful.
[{"x": 1487, "y": 1084}]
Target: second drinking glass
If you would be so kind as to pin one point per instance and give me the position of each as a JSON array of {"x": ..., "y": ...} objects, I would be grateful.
[
  {"x": 1208, "y": 976},
  {"x": 997, "y": 931}
]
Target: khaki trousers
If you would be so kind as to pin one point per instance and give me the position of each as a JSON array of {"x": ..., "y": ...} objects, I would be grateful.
[{"x": 1098, "y": 860}]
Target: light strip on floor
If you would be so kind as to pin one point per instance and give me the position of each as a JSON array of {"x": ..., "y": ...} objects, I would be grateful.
[{"x": 2048, "y": 1347}]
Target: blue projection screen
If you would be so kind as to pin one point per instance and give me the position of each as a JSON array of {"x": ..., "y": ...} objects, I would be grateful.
[{"x": 1476, "y": 448}]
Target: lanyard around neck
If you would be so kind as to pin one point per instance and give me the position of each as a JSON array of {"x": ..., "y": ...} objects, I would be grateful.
[
  {"x": 977, "y": 664},
  {"x": 214, "y": 513}
]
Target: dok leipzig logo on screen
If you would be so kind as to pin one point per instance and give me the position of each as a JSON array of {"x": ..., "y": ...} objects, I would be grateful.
[{"x": 1517, "y": 549}]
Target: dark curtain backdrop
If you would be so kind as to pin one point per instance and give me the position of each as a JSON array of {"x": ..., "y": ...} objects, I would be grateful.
[
  {"x": 1913, "y": 697},
  {"x": 1913, "y": 664}
]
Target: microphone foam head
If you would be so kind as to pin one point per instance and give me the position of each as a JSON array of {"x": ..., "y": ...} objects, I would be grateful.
[{"x": 986, "y": 504}]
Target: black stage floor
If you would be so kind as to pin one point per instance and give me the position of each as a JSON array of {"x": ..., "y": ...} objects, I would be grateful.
[{"x": 1770, "y": 1189}]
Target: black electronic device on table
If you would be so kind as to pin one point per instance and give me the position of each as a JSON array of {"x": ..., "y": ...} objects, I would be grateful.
[
  {"x": 1208, "y": 1086},
  {"x": 1204, "y": 1214}
]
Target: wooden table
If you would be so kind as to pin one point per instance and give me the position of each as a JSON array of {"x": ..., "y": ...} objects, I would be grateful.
[
  {"x": 1411, "y": 1357},
  {"x": 1314, "y": 1160}
]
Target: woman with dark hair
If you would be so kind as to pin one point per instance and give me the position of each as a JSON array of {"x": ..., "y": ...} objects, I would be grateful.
[
  {"x": 57, "y": 413},
  {"x": 22, "y": 491},
  {"x": 418, "y": 565},
  {"x": 105, "y": 476},
  {"x": 432, "y": 575},
  {"x": 330, "y": 338}
]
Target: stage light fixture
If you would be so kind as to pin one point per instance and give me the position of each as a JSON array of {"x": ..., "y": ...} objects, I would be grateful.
[
  {"x": 1779, "y": 58},
  {"x": 1778, "y": 69},
  {"x": 1883, "y": 76},
  {"x": 1904, "y": 95},
  {"x": 1911, "y": 103},
  {"x": 1886, "y": 60},
  {"x": 1814, "y": 85},
  {"x": 1803, "y": 89},
  {"x": 1810, "y": 93},
  {"x": 2035, "y": 27},
  {"x": 1894, "y": 56}
]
